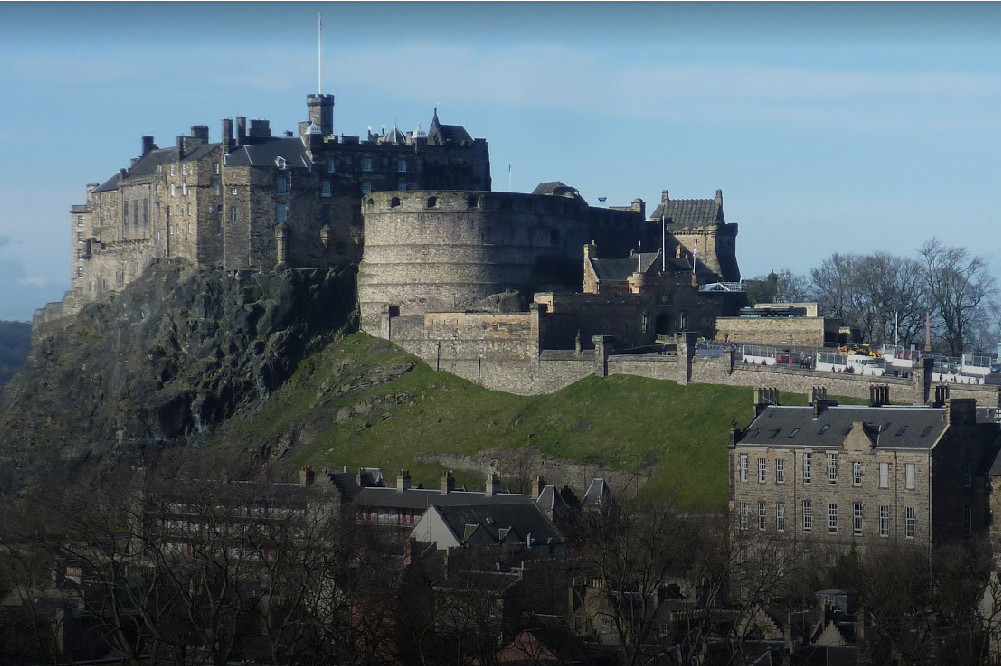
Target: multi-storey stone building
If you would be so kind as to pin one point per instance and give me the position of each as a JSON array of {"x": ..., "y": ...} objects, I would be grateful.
[
  {"x": 872, "y": 475},
  {"x": 253, "y": 199}
]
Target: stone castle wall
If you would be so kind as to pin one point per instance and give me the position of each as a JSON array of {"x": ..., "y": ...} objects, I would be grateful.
[{"x": 778, "y": 331}]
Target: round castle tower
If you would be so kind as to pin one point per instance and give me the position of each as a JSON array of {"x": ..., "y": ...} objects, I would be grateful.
[{"x": 443, "y": 251}]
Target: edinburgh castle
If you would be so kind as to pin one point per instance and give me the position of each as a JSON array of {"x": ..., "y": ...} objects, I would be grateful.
[{"x": 473, "y": 281}]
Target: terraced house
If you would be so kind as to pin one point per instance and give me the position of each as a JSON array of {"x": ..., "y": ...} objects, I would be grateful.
[{"x": 872, "y": 475}]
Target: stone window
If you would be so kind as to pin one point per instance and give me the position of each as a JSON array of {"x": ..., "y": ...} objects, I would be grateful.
[
  {"x": 832, "y": 518},
  {"x": 807, "y": 458},
  {"x": 780, "y": 516},
  {"x": 79, "y": 237},
  {"x": 762, "y": 516},
  {"x": 857, "y": 518},
  {"x": 967, "y": 521},
  {"x": 401, "y": 166},
  {"x": 281, "y": 213},
  {"x": 233, "y": 191},
  {"x": 832, "y": 468},
  {"x": 402, "y": 187},
  {"x": 394, "y": 202},
  {"x": 79, "y": 271},
  {"x": 332, "y": 166},
  {"x": 366, "y": 187},
  {"x": 909, "y": 476},
  {"x": 184, "y": 169},
  {"x": 125, "y": 212},
  {"x": 807, "y": 516},
  {"x": 884, "y": 520},
  {"x": 743, "y": 468},
  {"x": 968, "y": 475},
  {"x": 232, "y": 214},
  {"x": 187, "y": 210},
  {"x": 857, "y": 473},
  {"x": 884, "y": 475},
  {"x": 173, "y": 169},
  {"x": 173, "y": 190},
  {"x": 366, "y": 164},
  {"x": 325, "y": 190},
  {"x": 743, "y": 515},
  {"x": 432, "y": 202},
  {"x": 145, "y": 212},
  {"x": 281, "y": 184},
  {"x": 79, "y": 220},
  {"x": 216, "y": 168},
  {"x": 216, "y": 189},
  {"x": 184, "y": 189},
  {"x": 762, "y": 468},
  {"x": 910, "y": 522}
]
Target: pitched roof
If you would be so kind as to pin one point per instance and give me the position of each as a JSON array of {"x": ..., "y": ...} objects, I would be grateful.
[
  {"x": 422, "y": 498},
  {"x": 618, "y": 269},
  {"x": 597, "y": 493},
  {"x": 886, "y": 427},
  {"x": 447, "y": 134},
  {"x": 268, "y": 150},
  {"x": 499, "y": 523},
  {"x": 149, "y": 163},
  {"x": 690, "y": 212}
]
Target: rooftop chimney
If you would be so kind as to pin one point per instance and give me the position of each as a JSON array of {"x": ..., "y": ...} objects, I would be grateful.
[
  {"x": 200, "y": 132},
  {"x": 492, "y": 483},
  {"x": 538, "y": 485},
  {"x": 763, "y": 397},
  {"x": 403, "y": 480},
  {"x": 306, "y": 476},
  {"x": 719, "y": 197},
  {"x": 147, "y": 146},
  {"x": 241, "y": 130},
  {"x": 227, "y": 134},
  {"x": 447, "y": 482},
  {"x": 960, "y": 411}
]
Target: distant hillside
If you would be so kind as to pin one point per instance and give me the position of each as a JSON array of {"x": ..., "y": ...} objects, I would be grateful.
[
  {"x": 15, "y": 340},
  {"x": 362, "y": 401}
]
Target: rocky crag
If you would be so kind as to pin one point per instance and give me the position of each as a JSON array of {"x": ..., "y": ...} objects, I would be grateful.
[{"x": 162, "y": 363}]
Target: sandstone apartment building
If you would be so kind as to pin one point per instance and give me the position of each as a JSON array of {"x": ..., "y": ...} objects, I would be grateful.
[{"x": 829, "y": 475}]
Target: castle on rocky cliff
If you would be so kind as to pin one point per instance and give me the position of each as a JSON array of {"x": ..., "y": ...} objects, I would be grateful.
[{"x": 416, "y": 213}]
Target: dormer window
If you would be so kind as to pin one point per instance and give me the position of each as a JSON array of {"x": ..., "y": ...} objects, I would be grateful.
[{"x": 281, "y": 163}]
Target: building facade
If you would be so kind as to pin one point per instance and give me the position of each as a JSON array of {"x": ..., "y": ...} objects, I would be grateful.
[{"x": 828, "y": 475}]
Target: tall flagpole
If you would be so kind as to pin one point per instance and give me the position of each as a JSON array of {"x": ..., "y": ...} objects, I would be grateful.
[{"x": 319, "y": 61}]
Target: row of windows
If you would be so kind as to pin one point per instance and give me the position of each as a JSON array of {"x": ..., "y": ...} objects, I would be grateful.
[
  {"x": 366, "y": 165},
  {"x": 832, "y": 471},
  {"x": 857, "y": 518}
]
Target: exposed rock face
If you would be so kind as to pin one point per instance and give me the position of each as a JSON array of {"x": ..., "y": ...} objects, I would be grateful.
[{"x": 163, "y": 362}]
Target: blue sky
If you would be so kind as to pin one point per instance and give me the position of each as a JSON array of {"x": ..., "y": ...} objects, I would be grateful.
[{"x": 829, "y": 127}]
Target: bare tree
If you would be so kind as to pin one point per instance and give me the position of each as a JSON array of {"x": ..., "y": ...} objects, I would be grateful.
[{"x": 958, "y": 285}]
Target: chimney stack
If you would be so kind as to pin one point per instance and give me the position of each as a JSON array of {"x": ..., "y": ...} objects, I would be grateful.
[
  {"x": 227, "y": 134},
  {"x": 403, "y": 480},
  {"x": 492, "y": 483},
  {"x": 241, "y": 130},
  {"x": 200, "y": 132},
  {"x": 147, "y": 146},
  {"x": 538, "y": 485},
  {"x": 447, "y": 482},
  {"x": 306, "y": 476}
]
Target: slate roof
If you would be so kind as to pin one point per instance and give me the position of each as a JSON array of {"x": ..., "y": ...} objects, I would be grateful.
[
  {"x": 503, "y": 522},
  {"x": 445, "y": 134},
  {"x": 148, "y": 164},
  {"x": 618, "y": 269},
  {"x": 597, "y": 493},
  {"x": 265, "y": 153},
  {"x": 555, "y": 187},
  {"x": 422, "y": 498},
  {"x": 887, "y": 427},
  {"x": 690, "y": 213}
]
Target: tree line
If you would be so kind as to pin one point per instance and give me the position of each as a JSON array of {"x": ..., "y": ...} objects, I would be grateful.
[
  {"x": 180, "y": 563},
  {"x": 888, "y": 297}
]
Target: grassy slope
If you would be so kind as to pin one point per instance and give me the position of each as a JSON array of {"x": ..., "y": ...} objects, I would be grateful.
[{"x": 619, "y": 421}]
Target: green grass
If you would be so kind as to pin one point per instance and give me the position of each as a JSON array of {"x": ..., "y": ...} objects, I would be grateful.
[{"x": 621, "y": 422}]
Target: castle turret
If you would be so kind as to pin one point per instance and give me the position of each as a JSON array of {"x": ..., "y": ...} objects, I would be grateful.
[{"x": 321, "y": 112}]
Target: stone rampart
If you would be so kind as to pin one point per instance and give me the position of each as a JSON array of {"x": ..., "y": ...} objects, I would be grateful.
[{"x": 778, "y": 331}]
